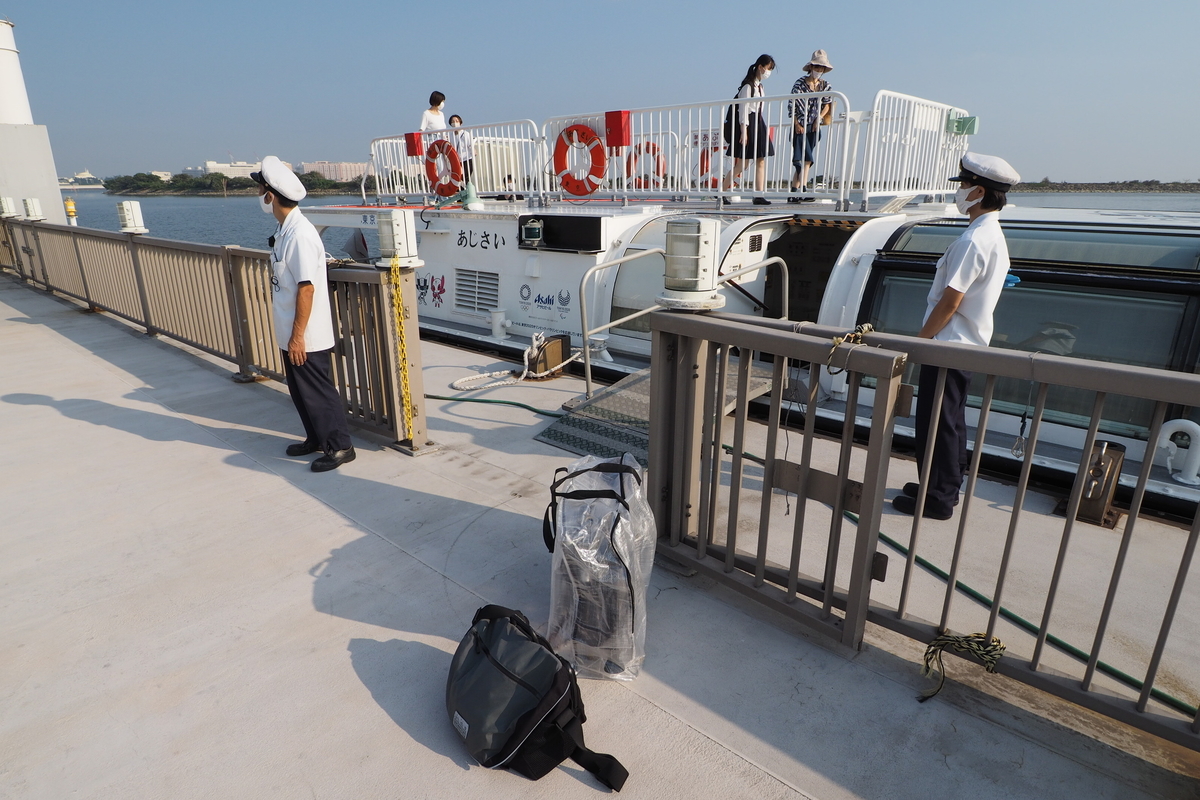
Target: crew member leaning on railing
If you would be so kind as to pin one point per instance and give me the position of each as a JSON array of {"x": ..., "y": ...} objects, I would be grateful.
[
  {"x": 959, "y": 308},
  {"x": 303, "y": 318}
]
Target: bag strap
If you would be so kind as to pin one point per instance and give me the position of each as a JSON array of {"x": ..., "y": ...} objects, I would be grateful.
[
  {"x": 550, "y": 518},
  {"x": 607, "y": 769},
  {"x": 491, "y": 613}
]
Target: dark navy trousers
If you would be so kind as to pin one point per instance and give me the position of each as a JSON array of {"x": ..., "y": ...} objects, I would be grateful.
[
  {"x": 317, "y": 401},
  {"x": 950, "y": 445}
]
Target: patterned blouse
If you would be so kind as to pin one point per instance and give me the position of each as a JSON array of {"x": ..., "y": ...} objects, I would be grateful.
[{"x": 809, "y": 109}]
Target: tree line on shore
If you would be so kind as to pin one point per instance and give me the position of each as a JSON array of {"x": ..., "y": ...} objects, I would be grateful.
[{"x": 217, "y": 183}]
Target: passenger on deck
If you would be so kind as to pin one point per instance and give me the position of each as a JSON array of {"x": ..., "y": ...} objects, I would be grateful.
[
  {"x": 303, "y": 318},
  {"x": 966, "y": 288},
  {"x": 746, "y": 130},
  {"x": 808, "y": 116},
  {"x": 432, "y": 118},
  {"x": 464, "y": 143}
]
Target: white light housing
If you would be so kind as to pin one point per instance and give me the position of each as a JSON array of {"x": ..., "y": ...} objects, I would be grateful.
[
  {"x": 129, "y": 212},
  {"x": 33, "y": 208},
  {"x": 690, "y": 282},
  {"x": 8, "y": 207},
  {"x": 398, "y": 235}
]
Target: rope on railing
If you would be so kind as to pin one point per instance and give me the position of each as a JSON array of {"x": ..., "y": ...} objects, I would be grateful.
[
  {"x": 988, "y": 651},
  {"x": 855, "y": 338}
]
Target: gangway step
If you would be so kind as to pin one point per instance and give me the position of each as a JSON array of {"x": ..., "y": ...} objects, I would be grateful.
[{"x": 616, "y": 419}]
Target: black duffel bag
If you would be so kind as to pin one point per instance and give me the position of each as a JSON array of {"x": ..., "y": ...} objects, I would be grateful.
[{"x": 516, "y": 703}]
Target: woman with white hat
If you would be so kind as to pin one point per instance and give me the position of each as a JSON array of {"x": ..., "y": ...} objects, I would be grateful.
[{"x": 807, "y": 118}]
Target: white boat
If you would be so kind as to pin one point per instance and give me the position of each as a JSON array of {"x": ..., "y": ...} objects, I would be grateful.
[{"x": 589, "y": 190}]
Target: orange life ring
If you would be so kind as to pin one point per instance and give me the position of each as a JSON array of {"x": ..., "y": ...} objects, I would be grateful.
[
  {"x": 580, "y": 136},
  {"x": 707, "y": 179},
  {"x": 450, "y": 182},
  {"x": 659, "y": 173}
]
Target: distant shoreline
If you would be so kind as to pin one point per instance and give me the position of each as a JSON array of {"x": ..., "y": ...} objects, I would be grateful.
[
  {"x": 230, "y": 193},
  {"x": 1100, "y": 188}
]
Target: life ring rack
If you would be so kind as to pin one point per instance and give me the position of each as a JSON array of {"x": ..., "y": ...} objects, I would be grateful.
[
  {"x": 658, "y": 174},
  {"x": 706, "y": 178},
  {"x": 450, "y": 182},
  {"x": 580, "y": 136}
]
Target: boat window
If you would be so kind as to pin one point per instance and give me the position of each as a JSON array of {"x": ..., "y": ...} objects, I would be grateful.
[
  {"x": 1121, "y": 326},
  {"x": 1070, "y": 245}
]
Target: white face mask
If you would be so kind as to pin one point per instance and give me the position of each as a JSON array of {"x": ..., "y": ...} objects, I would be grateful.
[
  {"x": 441, "y": 106},
  {"x": 264, "y": 205},
  {"x": 960, "y": 199},
  {"x": 766, "y": 74}
]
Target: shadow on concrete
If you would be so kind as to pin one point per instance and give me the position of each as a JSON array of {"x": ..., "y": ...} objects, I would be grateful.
[{"x": 401, "y": 676}]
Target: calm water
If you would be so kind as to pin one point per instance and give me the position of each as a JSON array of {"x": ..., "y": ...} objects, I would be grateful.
[{"x": 237, "y": 220}]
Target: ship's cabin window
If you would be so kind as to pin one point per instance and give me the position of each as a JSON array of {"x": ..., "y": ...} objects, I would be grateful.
[{"x": 1115, "y": 247}]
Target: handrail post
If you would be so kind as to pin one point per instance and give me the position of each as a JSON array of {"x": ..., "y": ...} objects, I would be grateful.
[
  {"x": 235, "y": 286},
  {"x": 406, "y": 410},
  {"x": 141, "y": 285}
]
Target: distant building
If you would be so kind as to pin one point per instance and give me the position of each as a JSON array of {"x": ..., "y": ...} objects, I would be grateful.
[
  {"x": 336, "y": 170},
  {"x": 235, "y": 169},
  {"x": 161, "y": 175}
]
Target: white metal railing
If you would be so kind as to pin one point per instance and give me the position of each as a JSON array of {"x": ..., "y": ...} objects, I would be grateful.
[
  {"x": 911, "y": 146},
  {"x": 685, "y": 151},
  {"x": 501, "y": 158}
]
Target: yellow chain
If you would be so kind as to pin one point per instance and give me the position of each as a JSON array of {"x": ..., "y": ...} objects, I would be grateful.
[{"x": 401, "y": 346}]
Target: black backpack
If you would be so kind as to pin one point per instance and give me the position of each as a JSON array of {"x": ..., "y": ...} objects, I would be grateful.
[{"x": 516, "y": 703}]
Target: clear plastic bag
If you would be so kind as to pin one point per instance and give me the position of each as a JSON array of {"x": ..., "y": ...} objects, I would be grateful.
[{"x": 603, "y": 554}]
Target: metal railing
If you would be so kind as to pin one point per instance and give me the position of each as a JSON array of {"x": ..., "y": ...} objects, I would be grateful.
[
  {"x": 1089, "y": 617},
  {"x": 685, "y": 151},
  {"x": 500, "y": 158},
  {"x": 911, "y": 146},
  {"x": 218, "y": 300}
]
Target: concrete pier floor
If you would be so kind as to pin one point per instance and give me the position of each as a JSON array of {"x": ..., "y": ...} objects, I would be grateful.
[{"x": 187, "y": 613}]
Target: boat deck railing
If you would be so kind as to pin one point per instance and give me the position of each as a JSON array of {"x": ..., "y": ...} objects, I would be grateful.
[
  {"x": 903, "y": 147},
  {"x": 1096, "y": 616},
  {"x": 218, "y": 300}
]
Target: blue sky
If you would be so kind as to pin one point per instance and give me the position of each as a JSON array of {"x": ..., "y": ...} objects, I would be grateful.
[{"x": 1073, "y": 90}]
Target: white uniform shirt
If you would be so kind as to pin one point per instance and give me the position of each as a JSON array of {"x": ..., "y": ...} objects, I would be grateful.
[
  {"x": 975, "y": 264},
  {"x": 432, "y": 120},
  {"x": 299, "y": 255},
  {"x": 464, "y": 143}
]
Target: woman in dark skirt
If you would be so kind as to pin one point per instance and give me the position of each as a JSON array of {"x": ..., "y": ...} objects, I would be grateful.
[{"x": 747, "y": 136}]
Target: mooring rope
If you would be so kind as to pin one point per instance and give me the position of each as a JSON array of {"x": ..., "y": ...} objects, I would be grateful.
[
  {"x": 988, "y": 651},
  {"x": 854, "y": 338},
  {"x": 531, "y": 354}
]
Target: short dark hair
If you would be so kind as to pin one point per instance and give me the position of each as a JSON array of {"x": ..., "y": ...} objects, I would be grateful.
[
  {"x": 993, "y": 199},
  {"x": 283, "y": 201},
  {"x": 436, "y": 98},
  {"x": 455, "y": 117}
]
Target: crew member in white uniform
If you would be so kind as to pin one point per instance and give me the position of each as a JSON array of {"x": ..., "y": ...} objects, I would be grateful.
[
  {"x": 966, "y": 288},
  {"x": 303, "y": 319}
]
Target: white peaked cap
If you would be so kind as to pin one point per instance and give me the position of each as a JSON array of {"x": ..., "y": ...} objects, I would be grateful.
[
  {"x": 277, "y": 177},
  {"x": 991, "y": 171}
]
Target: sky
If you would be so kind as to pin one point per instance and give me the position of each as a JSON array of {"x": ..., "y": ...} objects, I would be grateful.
[{"x": 1074, "y": 90}]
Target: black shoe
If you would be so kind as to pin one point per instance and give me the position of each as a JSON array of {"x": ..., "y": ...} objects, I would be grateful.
[
  {"x": 302, "y": 448},
  {"x": 911, "y": 490},
  {"x": 795, "y": 199},
  {"x": 907, "y": 505},
  {"x": 761, "y": 201},
  {"x": 808, "y": 199},
  {"x": 333, "y": 460}
]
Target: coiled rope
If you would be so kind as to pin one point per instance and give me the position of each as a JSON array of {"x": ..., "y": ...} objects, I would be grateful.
[
  {"x": 855, "y": 338},
  {"x": 530, "y": 358},
  {"x": 988, "y": 651}
]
